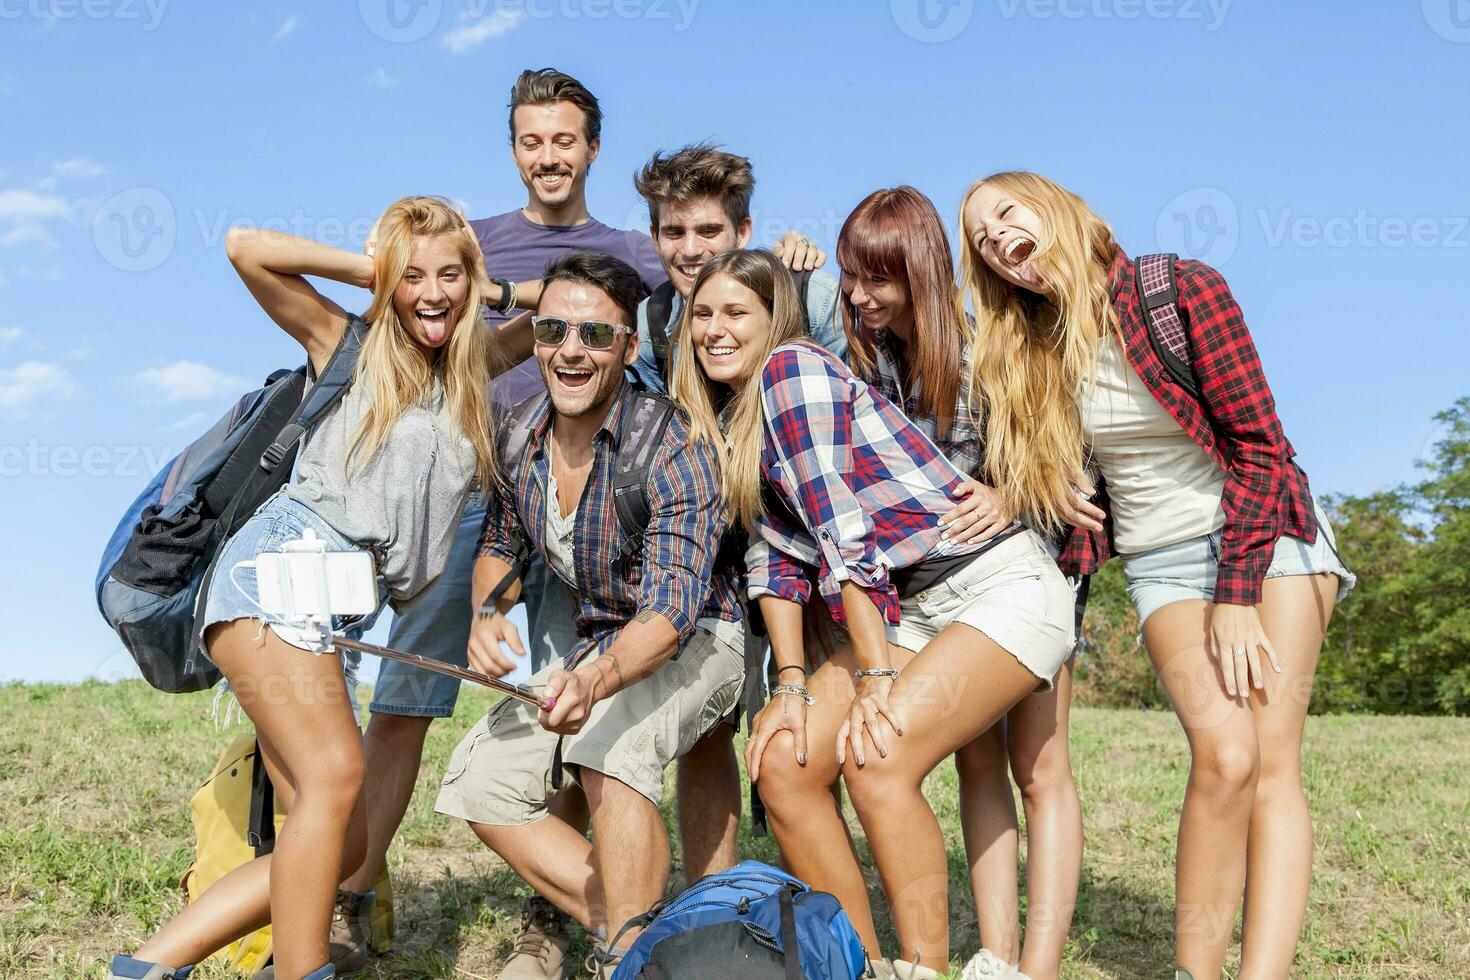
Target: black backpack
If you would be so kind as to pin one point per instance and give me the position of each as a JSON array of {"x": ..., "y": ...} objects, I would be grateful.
[
  {"x": 640, "y": 433},
  {"x": 661, "y": 304}
]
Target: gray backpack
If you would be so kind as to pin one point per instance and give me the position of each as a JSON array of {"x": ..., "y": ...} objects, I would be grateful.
[{"x": 156, "y": 569}]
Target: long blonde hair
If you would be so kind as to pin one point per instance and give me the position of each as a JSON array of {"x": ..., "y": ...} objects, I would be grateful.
[
  {"x": 733, "y": 421},
  {"x": 397, "y": 372},
  {"x": 1034, "y": 356}
]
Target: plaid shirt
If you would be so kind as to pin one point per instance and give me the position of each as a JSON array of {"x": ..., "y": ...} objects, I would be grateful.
[
  {"x": 865, "y": 485},
  {"x": 678, "y": 579},
  {"x": 1266, "y": 494},
  {"x": 962, "y": 442}
]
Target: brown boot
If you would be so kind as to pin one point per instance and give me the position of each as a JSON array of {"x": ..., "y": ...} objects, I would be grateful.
[
  {"x": 348, "y": 941},
  {"x": 540, "y": 951}
]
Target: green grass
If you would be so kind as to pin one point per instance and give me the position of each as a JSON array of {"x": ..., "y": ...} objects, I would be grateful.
[{"x": 95, "y": 834}]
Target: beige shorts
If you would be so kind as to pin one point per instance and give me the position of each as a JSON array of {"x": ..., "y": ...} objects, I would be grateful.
[
  {"x": 1014, "y": 593},
  {"x": 501, "y": 773}
]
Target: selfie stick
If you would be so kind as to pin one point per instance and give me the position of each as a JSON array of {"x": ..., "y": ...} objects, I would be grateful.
[{"x": 518, "y": 691}]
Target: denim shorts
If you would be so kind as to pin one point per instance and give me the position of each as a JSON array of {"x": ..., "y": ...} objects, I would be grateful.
[
  {"x": 1014, "y": 594},
  {"x": 232, "y": 591},
  {"x": 1187, "y": 570},
  {"x": 437, "y": 625}
]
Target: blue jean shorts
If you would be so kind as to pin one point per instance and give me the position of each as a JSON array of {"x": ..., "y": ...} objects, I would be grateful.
[
  {"x": 436, "y": 624},
  {"x": 1188, "y": 570},
  {"x": 232, "y": 591}
]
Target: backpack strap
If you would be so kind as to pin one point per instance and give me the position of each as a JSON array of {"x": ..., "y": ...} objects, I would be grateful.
[
  {"x": 261, "y": 833},
  {"x": 335, "y": 380},
  {"x": 790, "y": 938},
  {"x": 640, "y": 434},
  {"x": 660, "y": 308},
  {"x": 515, "y": 439},
  {"x": 1153, "y": 275}
]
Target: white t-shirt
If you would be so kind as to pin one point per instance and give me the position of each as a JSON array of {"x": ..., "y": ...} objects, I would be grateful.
[{"x": 1162, "y": 487}]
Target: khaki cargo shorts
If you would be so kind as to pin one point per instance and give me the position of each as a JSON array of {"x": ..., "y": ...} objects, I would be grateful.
[{"x": 501, "y": 773}]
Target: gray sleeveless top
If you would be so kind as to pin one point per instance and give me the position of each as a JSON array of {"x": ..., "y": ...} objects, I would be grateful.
[{"x": 405, "y": 502}]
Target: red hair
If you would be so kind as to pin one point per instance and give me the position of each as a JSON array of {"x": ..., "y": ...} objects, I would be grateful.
[{"x": 896, "y": 232}]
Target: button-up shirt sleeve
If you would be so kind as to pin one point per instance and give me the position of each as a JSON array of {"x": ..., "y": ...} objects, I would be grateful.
[
  {"x": 688, "y": 518},
  {"x": 770, "y": 571},
  {"x": 497, "y": 531},
  {"x": 1235, "y": 394},
  {"x": 808, "y": 406}
]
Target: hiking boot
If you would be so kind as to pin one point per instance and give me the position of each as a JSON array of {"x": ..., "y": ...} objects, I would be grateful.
[
  {"x": 127, "y": 968},
  {"x": 904, "y": 970},
  {"x": 540, "y": 950},
  {"x": 1180, "y": 973},
  {"x": 985, "y": 965},
  {"x": 348, "y": 948}
]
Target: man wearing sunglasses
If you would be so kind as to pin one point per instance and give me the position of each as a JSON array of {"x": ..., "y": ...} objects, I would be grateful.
[{"x": 624, "y": 707}]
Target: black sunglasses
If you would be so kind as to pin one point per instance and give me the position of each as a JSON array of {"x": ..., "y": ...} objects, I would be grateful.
[{"x": 595, "y": 334}]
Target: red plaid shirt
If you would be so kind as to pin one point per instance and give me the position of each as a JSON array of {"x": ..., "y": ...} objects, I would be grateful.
[{"x": 1265, "y": 493}]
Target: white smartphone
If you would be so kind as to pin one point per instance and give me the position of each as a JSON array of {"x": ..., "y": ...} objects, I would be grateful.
[{"x": 334, "y": 583}]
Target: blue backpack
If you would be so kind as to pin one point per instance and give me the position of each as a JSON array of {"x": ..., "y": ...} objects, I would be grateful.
[
  {"x": 156, "y": 568},
  {"x": 752, "y": 922}
]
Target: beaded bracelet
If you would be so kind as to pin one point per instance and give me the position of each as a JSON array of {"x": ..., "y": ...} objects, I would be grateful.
[{"x": 875, "y": 672}]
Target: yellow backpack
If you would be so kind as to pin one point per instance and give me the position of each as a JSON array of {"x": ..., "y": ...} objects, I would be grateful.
[{"x": 231, "y": 828}]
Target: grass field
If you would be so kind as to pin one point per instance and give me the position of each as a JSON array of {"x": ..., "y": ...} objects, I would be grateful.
[{"x": 95, "y": 833}]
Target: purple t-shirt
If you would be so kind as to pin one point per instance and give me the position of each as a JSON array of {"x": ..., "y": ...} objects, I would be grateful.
[{"x": 517, "y": 248}]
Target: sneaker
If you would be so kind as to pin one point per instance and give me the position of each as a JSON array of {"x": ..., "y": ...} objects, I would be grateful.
[
  {"x": 904, "y": 970},
  {"x": 1180, "y": 973},
  {"x": 327, "y": 972},
  {"x": 879, "y": 970},
  {"x": 348, "y": 942},
  {"x": 985, "y": 965},
  {"x": 540, "y": 950},
  {"x": 602, "y": 962},
  {"x": 127, "y": 968}
]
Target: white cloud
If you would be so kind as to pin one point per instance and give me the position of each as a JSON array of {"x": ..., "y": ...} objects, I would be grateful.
[
  {"x": 477, "y": 32},
  {"x": 9, "y": 335},
  {"x": 286, "y": 27},
  {"x": 194, "y": 420},
  {"x": 32, "y": 380},
  {"x": 17, "y": 205},
  {"x": 78, "y": 167},
  {"x": 188, "y": 381},
  {"x": 381, "y": 79}
]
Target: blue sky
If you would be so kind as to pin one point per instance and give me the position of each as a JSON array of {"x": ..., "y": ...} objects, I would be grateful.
[{"x": 1314, "y": 151}]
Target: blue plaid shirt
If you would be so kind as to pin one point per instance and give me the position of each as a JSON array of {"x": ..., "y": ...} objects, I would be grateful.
[
  {"x": 678, "y": 579},
  {"x": 866, "y": 486}
]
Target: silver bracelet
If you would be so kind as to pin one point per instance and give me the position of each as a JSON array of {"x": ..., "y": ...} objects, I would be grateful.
[
  {"x": 858, "y": 675},
  {"x": 795, "y": 689}
]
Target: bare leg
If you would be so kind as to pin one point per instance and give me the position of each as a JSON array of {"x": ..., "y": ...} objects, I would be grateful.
[
  {"x": 630, "y": 850},
  {"x": 1294, "y": 613},
  {"x": 988, "y": 818},
  {"x": 709, "y": 803},
  {"x": 1042, "y": 763},
  {"x": 300, "y": 707},
  {"x": 392, "y": 748},
  {"x": 957, "y": 687},
  {"x": 804, "y": 803},
  {"x": 1209, "y": 876},
  {"x": 554, "y": 858}
]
